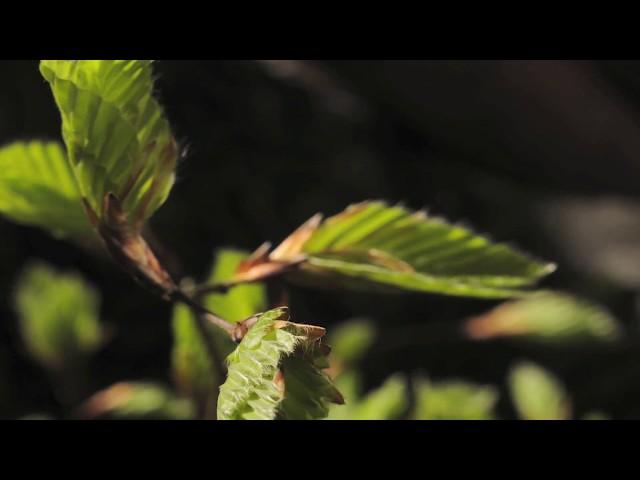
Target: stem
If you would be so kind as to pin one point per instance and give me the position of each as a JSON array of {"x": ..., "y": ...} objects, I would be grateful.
[{"x": 202, "y": 312}]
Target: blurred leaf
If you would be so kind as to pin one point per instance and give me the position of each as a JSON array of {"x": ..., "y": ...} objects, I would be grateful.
[
  {"x": 37, "y": 188},
  {"x": 387, "y": 402},
  {"x": 546, "y": 316},
  {"x": 118, "y": 139},
  {"x": 137, "y": 400},
  {"x": 453, "y": 400},
  {"x": 241, "y": 301},
  {"x": 350, "y": 340},
  {"x": 371, "y": 245},
  {"x": 256, "y": 386},
  {"x": 537, "y": 394},
  {"x": 192, "y": 366},
  {"x": 58, "y": 315}
]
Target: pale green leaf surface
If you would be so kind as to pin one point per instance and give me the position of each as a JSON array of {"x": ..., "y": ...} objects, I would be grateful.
[
  {"x": 58, "y": 315},
  {"x": 117, "y": 137},
  {"x": 453, "y": 400},
  {"x": 537, "y": 394},
  {"x": 373, "y": 243},
  {"x": 37, "y": 188},
  {"x": 547, "y": 317}
]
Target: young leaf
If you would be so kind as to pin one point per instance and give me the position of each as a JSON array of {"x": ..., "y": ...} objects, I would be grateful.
[
  {"x": 548, "y": 317},
  {"x": 537, "y": 394},
  {"x": 118, "y": 139},
  {"x": 373, "y": 245},
  {"x": 453, "y": 400},
  {"x": 37, "y": 188},
  {"x": 58, "y": 316},
  {"x": 137, "y": 400},
  {"x": 122, "y": 153},
  {"x": 258, "y": 376}
]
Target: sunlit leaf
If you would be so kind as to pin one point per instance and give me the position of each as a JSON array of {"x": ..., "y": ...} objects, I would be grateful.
[
  {"x": 259, "y": 373},
  {"x": 546, "y": 316},
  {"x": 537, "y": 394},
  {"x": 118, "y": 139},
  {"x": 37, "y": 188},
  {"x": 372, "y": 245},
  {"x": 453, "y": 400},
  {"x": 58, "y": 315},
  {"x": 138, "y": 401}
]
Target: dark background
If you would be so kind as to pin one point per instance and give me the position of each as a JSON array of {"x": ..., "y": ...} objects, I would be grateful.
[{"x": 542, "y": 154}]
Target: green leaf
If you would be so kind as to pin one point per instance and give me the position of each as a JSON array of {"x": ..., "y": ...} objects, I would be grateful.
[
  {"x": 260, "y": 377},
  {"x": 58, "y": 315},
  {"x": 139, "y": 401},
  {"x": 537, "y": 394},
  {"x": 374, "y": 246},
  {"x": 387, "y": 402},
  {"x": 192, "y": 365},
  {"x": 37, "y": 188},
  {"x": 350, "y": 340},
  {"x": 453, "y": 400},
  {"x": 118, "y": 139},
  {"x": 241, "y": 301},
  {"x": 547, "y": 317}
]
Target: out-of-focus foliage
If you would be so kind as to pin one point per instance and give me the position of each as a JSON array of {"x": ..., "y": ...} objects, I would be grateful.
[
  {"x": 58, "y": 315},
  {"x": 373, "y": 245},
  {"x": 118, "y": 139},
  {"x": 256, "y": 386},
  {"x": 350, "y": 340},
  {"x": 37, "y": 188},
  {"x": 192, "y": 365},
  {"x": 136, "y": 400},
  {"x": 548, "y": 317},
  {"x": 453, "y": 400},
  {"x": 241, "y": 301},
  {"x": 537, "y": 394},
  {"x": 387, "y": 402}
]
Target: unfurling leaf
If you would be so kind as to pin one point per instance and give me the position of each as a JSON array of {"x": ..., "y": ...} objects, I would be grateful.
[
  {"x": 192, "y": 365},
  {"x": 136, "y": 400},
  {"x": 453, "y": 400},
  {"x": 118, "y": 139},
  {"x": 37, "y": 188},
  {"x": 373, "y": 245},
  {"x": 276, "y": 372},
  {"x": 537, "y": 394},
  {"x": 58, "y": 316},
  {"x": 548, "y": 317},
  {"x": 122, "y": 153}
]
